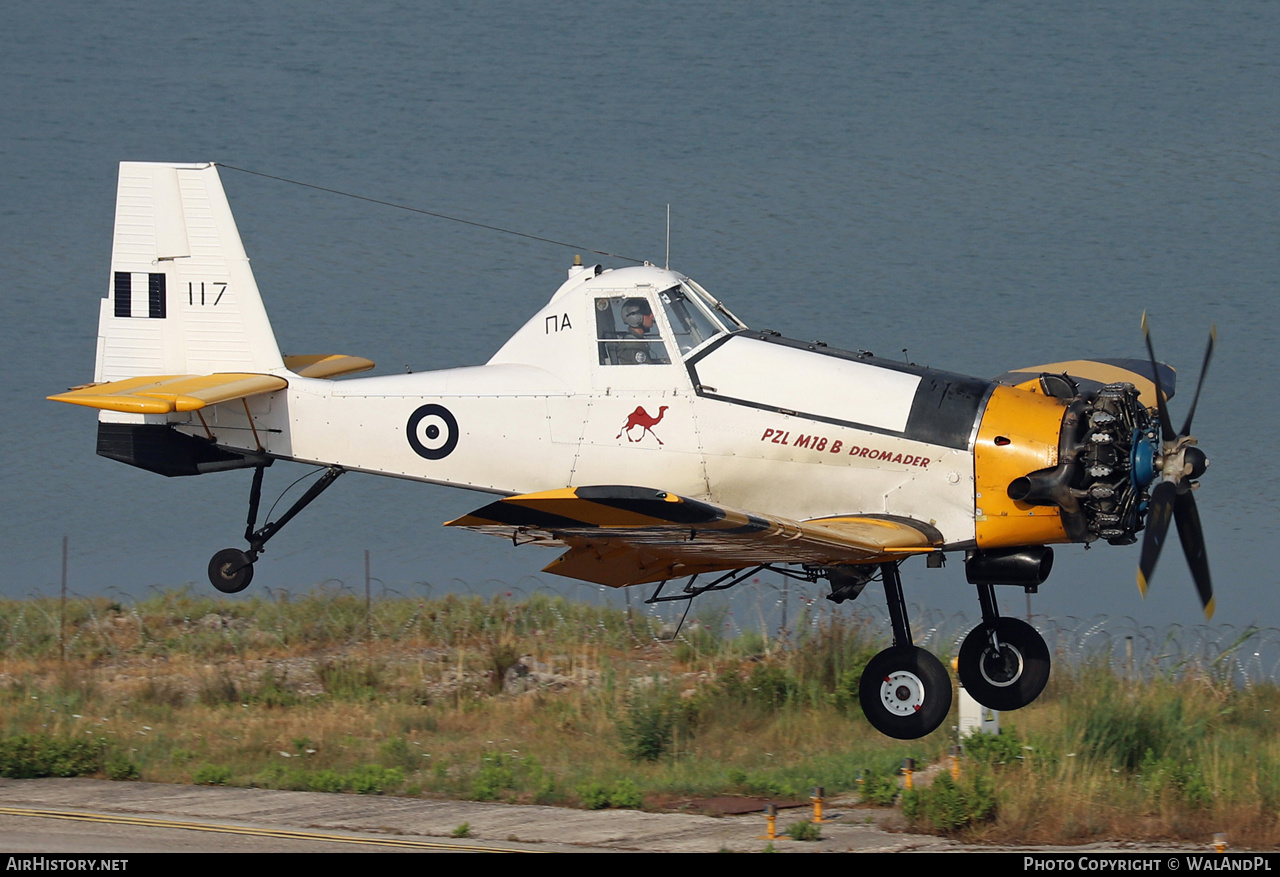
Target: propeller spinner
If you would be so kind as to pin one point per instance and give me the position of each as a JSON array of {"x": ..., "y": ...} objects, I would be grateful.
[{"x": 1174, "y": 465}]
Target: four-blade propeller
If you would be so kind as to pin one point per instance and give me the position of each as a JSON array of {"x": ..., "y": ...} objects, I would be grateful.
[{"x": 1178, "y": 466}]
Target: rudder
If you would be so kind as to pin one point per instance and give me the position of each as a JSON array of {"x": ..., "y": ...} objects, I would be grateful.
[{"x": 182, "y": 297}]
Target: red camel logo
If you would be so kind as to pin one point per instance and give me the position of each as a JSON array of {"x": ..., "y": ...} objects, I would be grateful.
[{"x": 644, "y": 420}]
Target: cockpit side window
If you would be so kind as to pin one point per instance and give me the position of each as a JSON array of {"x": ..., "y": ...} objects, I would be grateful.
[
  {"x": 627, "y": 332},
  {"x": 690, "y": 323}
]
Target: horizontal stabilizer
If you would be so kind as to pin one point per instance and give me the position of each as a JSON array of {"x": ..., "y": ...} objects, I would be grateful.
[
  {"x": 620, "y": 536},
  {"x": 1092, "y": 374},
  {"x": 326, "y": 365},
  {"x": 165, "y": 394}
]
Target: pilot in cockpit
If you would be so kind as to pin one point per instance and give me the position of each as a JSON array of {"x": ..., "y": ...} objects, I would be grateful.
[
  {"x": 638, "y": 318},
  {"x": 628, "y": 333}
]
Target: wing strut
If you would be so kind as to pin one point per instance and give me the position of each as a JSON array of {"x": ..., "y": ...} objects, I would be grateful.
[
  {"x": 810, "y": 574},
  {"x": 738, "y": 576}
]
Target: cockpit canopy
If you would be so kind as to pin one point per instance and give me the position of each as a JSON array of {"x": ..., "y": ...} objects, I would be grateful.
[
  {"x": 628, "y": 332},
  {"x": 601, "y": 319}
]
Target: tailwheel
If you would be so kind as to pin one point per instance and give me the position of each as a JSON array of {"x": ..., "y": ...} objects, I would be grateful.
[
  {"x": 905, "y": 692},
  {"x": 231, "y": 570},
  {"x": 1006, "y": 671}
]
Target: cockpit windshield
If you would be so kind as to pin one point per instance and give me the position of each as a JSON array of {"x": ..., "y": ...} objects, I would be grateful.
[{"x": 692, "y": 322}]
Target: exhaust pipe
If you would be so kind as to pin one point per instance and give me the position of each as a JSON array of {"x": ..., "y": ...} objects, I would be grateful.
[{"x": 1049, "y": 487}]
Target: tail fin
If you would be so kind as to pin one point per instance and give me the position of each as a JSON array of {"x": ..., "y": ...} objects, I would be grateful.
[{"x": 182, "y": 299}]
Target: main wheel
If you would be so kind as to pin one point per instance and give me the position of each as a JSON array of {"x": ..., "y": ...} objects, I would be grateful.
[
  {"x": 905, "y": 692},
  {"x": 230, "y": 570},
  {"x": 1008, "y": 678}
]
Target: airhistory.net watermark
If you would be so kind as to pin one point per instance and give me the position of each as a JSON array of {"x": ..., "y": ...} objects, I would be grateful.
[{"x": 64, "y": 863}]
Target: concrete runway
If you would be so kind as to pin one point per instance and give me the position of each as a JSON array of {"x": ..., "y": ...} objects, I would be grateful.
[{"x": 98, "y": 816}]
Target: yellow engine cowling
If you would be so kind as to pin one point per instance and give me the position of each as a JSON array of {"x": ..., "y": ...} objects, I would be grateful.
[{"x": 1019, "y": 434}]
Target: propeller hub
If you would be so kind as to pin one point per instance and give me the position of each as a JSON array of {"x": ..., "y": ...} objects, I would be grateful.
[
  {"x": 1196, "y": 461},
  {"x": 1181, "y": 458}
]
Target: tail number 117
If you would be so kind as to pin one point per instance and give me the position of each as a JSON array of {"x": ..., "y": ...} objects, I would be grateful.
[{"x": 203, "y": 296}]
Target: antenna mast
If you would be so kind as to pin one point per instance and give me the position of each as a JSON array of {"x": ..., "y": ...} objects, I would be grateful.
[{"x": 668, "y": 262}]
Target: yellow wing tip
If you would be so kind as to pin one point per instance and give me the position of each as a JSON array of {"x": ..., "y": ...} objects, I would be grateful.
[
  {"x": 1209, "y": 609},
  {"x": 1142, "y": 584}
]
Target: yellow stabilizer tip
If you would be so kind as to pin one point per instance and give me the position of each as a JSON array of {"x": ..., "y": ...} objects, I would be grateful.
[
  {"x": 1208, "y": 609},
  {"x": 125, "y": 404},
  {"x": 1142, "y": 584}
]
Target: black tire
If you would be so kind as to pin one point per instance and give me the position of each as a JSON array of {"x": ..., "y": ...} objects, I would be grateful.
[
  {"x": 1011, "y": 678},
  {"x": 230, "y": 570},
  {"x": 905, "y": 692}
]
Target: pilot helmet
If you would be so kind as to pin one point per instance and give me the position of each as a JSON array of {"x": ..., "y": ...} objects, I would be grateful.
[{"x": 636, "y": 313}]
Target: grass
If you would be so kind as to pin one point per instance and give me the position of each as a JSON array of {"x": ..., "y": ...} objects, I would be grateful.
[
  {"x": 551, "y": 702},
  {"x": 1166, "y": 759}
]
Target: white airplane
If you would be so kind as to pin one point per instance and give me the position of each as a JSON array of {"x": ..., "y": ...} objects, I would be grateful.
[{"x": 639, "y": 425}]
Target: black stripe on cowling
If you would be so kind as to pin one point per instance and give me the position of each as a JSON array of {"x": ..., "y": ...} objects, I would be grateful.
[
  {"x": 124, "y": 294},
  {"x": 945, "y": 408},
  {"x": 651, "y": 503}
]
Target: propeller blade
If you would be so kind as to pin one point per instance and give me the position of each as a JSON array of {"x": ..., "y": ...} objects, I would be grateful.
[
  {"x": 1188, "y": 519},
  {"x": 1166, "y": 425},
  {"x": 1159, "y": 513},
  {"x": 1204, "y": 369}
]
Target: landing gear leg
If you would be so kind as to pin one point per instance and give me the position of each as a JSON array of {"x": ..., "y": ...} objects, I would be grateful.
[
  {"x": 231, "y": 569},
  {"x": 1003, "y": 662},
  {"x": 905, "y": 691}
]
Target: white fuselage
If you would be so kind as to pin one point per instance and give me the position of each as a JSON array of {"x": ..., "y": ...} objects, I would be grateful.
[{"x": 523, "y": 429}]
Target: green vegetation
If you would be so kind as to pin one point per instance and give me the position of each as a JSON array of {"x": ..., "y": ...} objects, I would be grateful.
[
  {"x": 804, "y": 831},
  {"x": 948, "y": 807},
  {"x": 622, "y": 795},
  {"x": 552, "y": 702},
  {"x": 880, "y": 789},
  {"x": 27, "y": 756}
]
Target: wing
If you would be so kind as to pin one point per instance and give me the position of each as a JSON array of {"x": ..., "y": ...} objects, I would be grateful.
[
  {"x": 620, "y": 536},
  {"x": 1092, "y": 374},
  {"x": 163, "y": 394}
]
